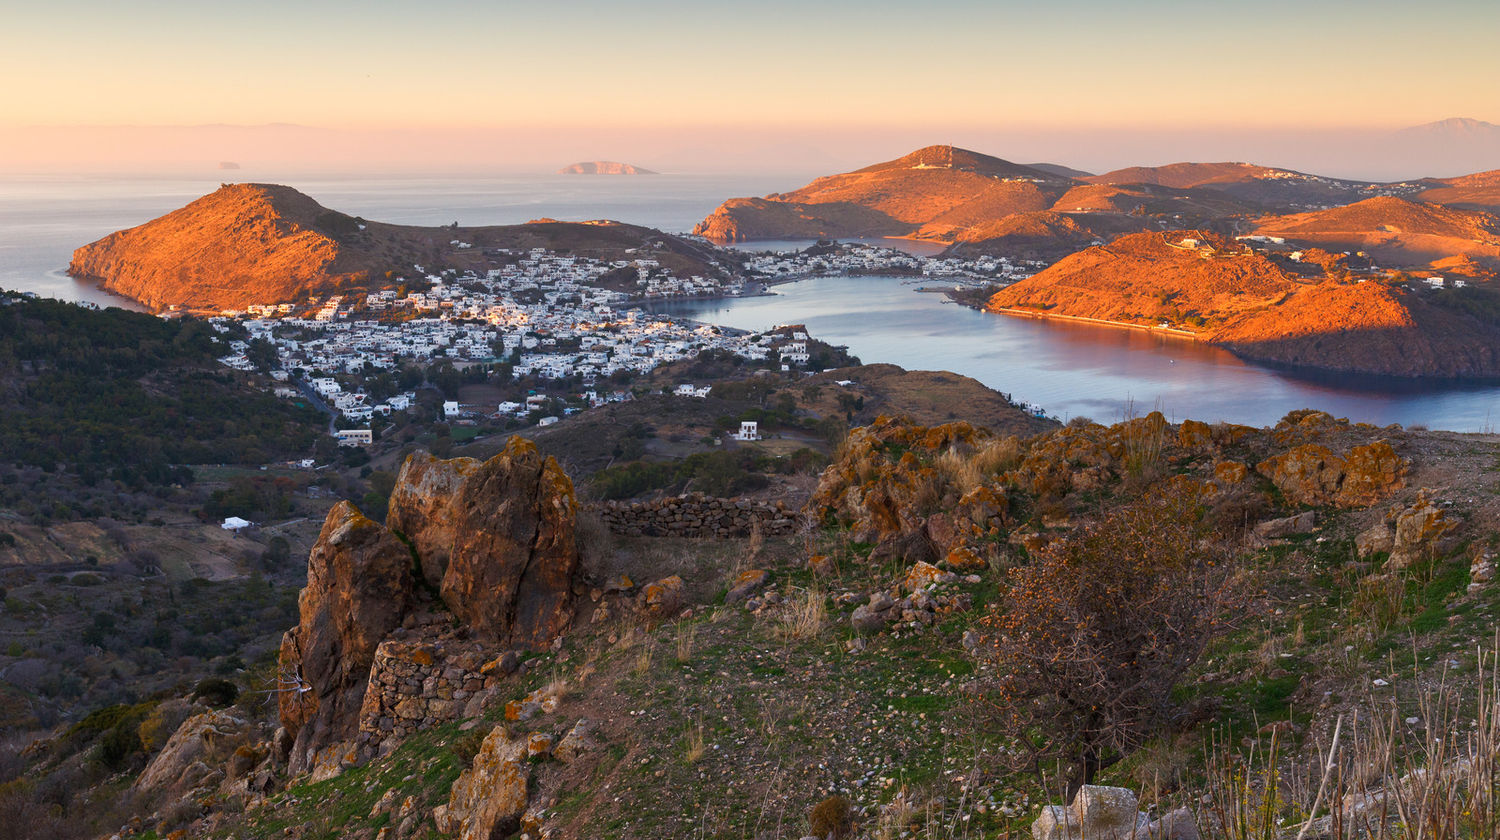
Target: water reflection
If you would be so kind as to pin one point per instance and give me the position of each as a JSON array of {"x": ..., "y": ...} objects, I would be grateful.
[{"x": 1079, "y": 369}]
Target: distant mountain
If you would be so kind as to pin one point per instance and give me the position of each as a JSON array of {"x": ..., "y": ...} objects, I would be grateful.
[
  {"x": 267, "y": 243},
  {"x": 1260, "y": 309},
  {"x": 1458, "y": 145},
  {"x": 603, "y": 167},
  {"x": 1455, "y": 128}
]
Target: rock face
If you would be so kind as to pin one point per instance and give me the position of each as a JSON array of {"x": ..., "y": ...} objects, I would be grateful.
[
  {"x": 202, "y": 740},
  {"x": 1312, "y": 474},
  {"x": 496, "y": 538},
  {"x": 359, "y": 587},
  {"x": 489, "y": 798}
]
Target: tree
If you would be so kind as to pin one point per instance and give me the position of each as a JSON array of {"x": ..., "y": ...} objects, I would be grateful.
[{"x": 1098, "y": 630}]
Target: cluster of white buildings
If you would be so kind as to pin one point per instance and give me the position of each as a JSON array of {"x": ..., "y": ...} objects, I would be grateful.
[
  {"x": 540, "y": 313},
  {"x": 864, "y": 258}
]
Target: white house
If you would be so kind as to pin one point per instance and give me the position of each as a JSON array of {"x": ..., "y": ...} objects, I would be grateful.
[
  {"x": 355, "y": 437},
  {"x": 450, "y": 408},
  {"x": 749, "y": 430}
]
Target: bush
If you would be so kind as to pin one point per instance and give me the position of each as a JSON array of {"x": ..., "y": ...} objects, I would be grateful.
[
  {"x": 1099, "y": 629},
  {"x": 831, "y": 818},
  {"x": 216, "y": 691}
]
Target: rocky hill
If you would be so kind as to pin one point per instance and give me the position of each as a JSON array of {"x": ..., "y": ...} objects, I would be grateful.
[
  {"x": 603, "y": 167},
  {"x": 929, "y": 194},
  {"x": 1396, "y": 232},
  {"x": 266, "y": 243},
  {"x": 1260, "y": 185},
  {"x": 1221, "y": 292},
  {"x": 485, "y": 664},
  {"x": 1480, "y": 191}
]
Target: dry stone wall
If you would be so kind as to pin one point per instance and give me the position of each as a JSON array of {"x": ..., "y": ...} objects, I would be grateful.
[
  {"x": 696, "y": 516},
  {"x": 416, "y": 683}
]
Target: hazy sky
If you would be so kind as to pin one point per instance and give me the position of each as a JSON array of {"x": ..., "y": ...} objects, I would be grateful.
[{"x": 804, "y": 68}]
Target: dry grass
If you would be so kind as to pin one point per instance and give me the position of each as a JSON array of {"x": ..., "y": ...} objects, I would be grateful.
[
  {"x": 685, "y": 634},
  {"x": 1421, "y": 767},
  {"x": 694, "y": 746},
  {"x": 803, "y": 616}
]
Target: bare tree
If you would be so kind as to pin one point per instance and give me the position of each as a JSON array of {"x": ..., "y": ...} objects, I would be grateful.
[{"x": 1094, "y": 634}]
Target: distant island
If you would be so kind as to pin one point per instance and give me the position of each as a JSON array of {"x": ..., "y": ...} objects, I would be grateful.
[
  {"x": 228, "y": 164},
  {"x": 604, "y": 167}
]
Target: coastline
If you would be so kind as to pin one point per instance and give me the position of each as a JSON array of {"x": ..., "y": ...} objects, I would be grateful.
[{"x": 1045, "y": 316}]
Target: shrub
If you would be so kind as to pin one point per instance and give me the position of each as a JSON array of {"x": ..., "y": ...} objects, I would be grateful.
[
  {"x": 831, "y": 818},
  {"x": 216, "y": 691},
  {"x": 1098, "y": 630}
]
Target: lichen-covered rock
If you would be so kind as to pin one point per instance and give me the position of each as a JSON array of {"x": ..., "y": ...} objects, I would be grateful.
[
  {"x": 662, "y": 598},
  {"x": 922, "y": 575},
  {"x": 1378, "y": 537},
  {"x": 1422, "y": 531},
  {"x": 1194, "y": 433},
  {"x": 501, "y": 536},
  {"x": 488, "y": 799},
  {"x": 1302, "y": 523},
  {"x": 1312, "y": 474},
  {"x": 745, "y": 583},
  {"x": 579, "y": 740},
  {"x": 1371, "y": 472},
  {"x": 1097, "y": 813},
  {"x": 1229, "y": 473},
  {"x": 359, "y": 587}
]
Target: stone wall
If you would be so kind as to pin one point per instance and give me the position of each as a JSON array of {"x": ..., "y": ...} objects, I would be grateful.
[
  {"x": 418, "y": 681},
  {"x": 696, "y": 515}
]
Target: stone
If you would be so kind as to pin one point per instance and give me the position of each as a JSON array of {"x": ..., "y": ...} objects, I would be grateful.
[
  {"x": 962, "y": 559},
  {"x": 822, "y": 565},
  {"x": 1423, "y": 530},
  {"x": 1229, "y": 473},
  {"x": 745, "y": 583},
  {"x": 1097, "y": 813},
  {"x": 488, "y": 799},
  {"x": 359, "y": 587},
  {"x": 1177, "y": 824},
  {"x": 210, "y": 737},
  {"x": 1301, "y": 523},
  {"x": 1371, "y": 472},
  {"x": 497, "y": 539},
  {"x": 923, "y": 574},
  {"x": 1374, "y": 539},
  {"x": 867, "y": 620},
  {"x": 577, "y": 741},
  {"x": 1312, "y": 474},
  {"x": 1193, "y": 434},
  {"x": 663, "y": 598}
]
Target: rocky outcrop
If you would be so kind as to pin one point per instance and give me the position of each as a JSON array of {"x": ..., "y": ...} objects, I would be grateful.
[
  {"x": 1418, "y": 532},
  {"x": 496, "y": 539},
  {"x": 1312, "y": 474},
  {"x": 200, "y": 745},
  {"x": 359, "y": 587},
  {"x": 489, "y": 798}
]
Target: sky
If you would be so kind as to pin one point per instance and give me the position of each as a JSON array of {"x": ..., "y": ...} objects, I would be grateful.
[{"x": 690, "y": 80}]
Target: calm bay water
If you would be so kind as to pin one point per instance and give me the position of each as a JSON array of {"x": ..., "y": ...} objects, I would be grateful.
[
  {"x": 1075, "y": 369},
  {"x": 1068, "y": 369}
]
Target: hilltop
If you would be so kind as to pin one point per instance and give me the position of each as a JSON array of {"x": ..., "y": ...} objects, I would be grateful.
[
  {"x": 603, "y": 167},
  {"x": 1267, "y": 308},
  {"x": 1270, "y": 187},
  {"x": 1479, "y": 191},
  {"x": 267, "y": 243},
  {"x": 929, "y": 194}
]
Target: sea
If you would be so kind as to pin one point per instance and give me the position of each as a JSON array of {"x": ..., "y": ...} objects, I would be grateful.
[{"x": 1067, "y": 370}]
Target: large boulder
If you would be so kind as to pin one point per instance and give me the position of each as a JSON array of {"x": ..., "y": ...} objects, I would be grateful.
[
  {"x": 495, "y": 538},
  {"x": 488, "y": 799},
  {"x": 359, "y": 588},
  {"x": 1097, "y": 813},
  {"x": 206, "y": 739},
  {"x": 1423, "y": 530},
  {"x": 1313, "y": 474}
]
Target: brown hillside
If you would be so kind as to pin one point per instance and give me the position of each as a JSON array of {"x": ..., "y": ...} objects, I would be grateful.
[
  {"x": 1248, "y": 304},
  {"x": 1480, "y": 191},
  {"x": 1047, "y": 235},
  {"x": 1395, "y": 231},
  {"x": 265, "y": 243},
  {"x": 931, "y": 193},
  {"x": 1263, "y": 185}
]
